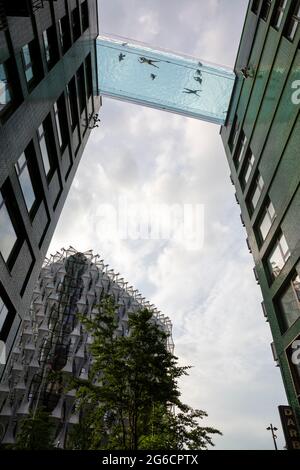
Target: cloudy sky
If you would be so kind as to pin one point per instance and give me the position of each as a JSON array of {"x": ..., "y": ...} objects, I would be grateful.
[{"x": 149, "y": 158}]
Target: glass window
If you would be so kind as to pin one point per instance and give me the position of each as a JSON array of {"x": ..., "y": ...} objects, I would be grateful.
[
  {"x": 241, "y": 147},
  {"x": 255, "y": 6},
  {"x": 248, "y": 168},
  {"x": 84, "y": 15},
  {"x": 8, "y": 235},
  {"x": 5, "y": 90},
  {"x": 50, "y": 46},
  {"x": 259, "y": 186},
  {"x": 88, "y": 73},
  {"x": 75, "y": 23},
  {"x": 46, "y": 46},
  {"x": 279, "y": 13},
  {"x": 64, "y": 33},
  {"x": 72, "y": 102},
  {"x": 25, "y": 181},
  {"x": 279, "y": 256},
  {"x": 267, "y": 220},
  {"x": 289, "y": 303},
  {"x": 44, "y": 149},
  {"x": 293, "y": 20},
  {"x": 57, "y": 124},
  {"x": 3, "y": 313},
  {"x": 265, "y": 9},
  {"x": 27, "y": 59},
  {"x": 234, "y": 132}
]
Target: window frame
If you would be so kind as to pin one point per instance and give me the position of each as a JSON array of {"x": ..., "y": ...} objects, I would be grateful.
[
  {"x": 234, "y": 133},
  {"x": 255, "y": 6},
  {"x": 265, "y": 10},
  {"x": 13, "y": 212},
  {"x": 3, "y": 318},
  {"x": 278, "y": 13},
  {"x": 240, "y": 149},
  {"x": 64, "y": 32},
  {"x": 84, "y": 10},
  {"x": 281, "y": 315},
  {"x": 35, "y": 63},
  {"x": 20, "y": 168},
  {"x": 9, "y": 317},
  {"x": 7, "y": 87},
  {"x": 29, "y": 65},
  {"x": 255, "y": 185},
  {"x": 4, "y": 207},
  {"x": 266, "y": 213}
]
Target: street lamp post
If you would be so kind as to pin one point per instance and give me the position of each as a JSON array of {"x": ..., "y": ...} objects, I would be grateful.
[{"x": 272, "y": 429}]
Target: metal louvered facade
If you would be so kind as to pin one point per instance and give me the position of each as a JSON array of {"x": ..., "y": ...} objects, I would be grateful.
[{"x": 52, "y": 339}]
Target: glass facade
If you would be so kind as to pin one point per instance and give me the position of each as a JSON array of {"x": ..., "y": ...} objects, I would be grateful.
[
  {"x": 25, "y": 181},
  {"x": 164, "y": 80},
  {"x": 8, "y": 235}
]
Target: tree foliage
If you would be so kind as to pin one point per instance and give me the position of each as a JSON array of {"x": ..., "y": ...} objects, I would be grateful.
[
  {"x": 132, "y": 392},
  {"x": 35, "y": 432}
]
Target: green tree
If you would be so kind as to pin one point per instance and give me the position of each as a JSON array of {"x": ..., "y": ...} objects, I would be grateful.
[
  {"x": 178, "y": 431},
  {"x": 132, "y": 391},
  {"x": 35, "y": 432}
]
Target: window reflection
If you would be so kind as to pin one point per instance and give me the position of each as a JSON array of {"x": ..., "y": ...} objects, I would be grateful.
[
  {"x": 57, "y": 124},
  {"x": 5, "y": 93},
  {"x": 8, "y": 235},
  {"x": 267, "y": 220},
  {"x": 25, "y": 181},
  {"x": 43, "y": 148},
  {"x": 3, "y": 313},
  {"x": 27, "y": 59},
  {"x": 289, "y": 303},
  {"x": 257, "y": 191},
  {"x": 279, "y": 256}
]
